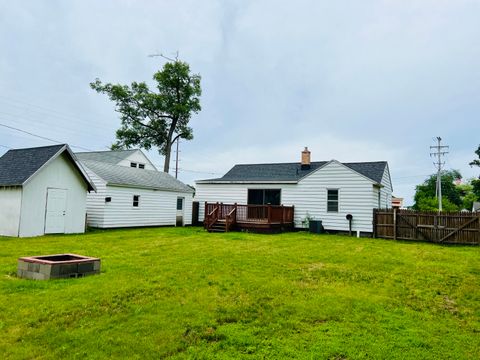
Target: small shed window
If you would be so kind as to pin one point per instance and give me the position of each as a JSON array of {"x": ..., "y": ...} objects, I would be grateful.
[
  {"x": 332, "y": 200},
  {"x": 136, "y": 200},
  {"x": 108, "y": 199},
  {"x": 179, "y": 203},
  {"x": 133, "y": 164},
  {"x": 141, "y": 166}
]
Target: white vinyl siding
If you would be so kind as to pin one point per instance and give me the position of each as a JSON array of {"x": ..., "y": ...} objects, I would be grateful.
[
  {"x": 96, "y": 201},
  {"x": 357, "y": 196},
  {"x": 137, "y": 158},
  {"x": 10, "y": 207},
  {"x": 59, "y": 174},
  {"x": 156, "y": 208},
  {"x": 386, "y": 190}
]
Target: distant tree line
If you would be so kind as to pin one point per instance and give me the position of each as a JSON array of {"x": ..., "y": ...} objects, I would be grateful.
[{"x": 456, "y": 194}]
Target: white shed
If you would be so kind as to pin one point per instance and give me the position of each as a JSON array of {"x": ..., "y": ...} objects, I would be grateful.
[
  {"x": 322, "y": 190},
  {"x": 43, "y": 190},
  {"x": 132, "y": 193}
]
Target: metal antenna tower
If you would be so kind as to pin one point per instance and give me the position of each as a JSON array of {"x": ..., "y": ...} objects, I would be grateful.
[{"x": 437, "y": 151}]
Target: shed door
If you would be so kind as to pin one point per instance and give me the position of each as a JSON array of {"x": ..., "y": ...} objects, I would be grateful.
[{"x": 55, "y": 214}]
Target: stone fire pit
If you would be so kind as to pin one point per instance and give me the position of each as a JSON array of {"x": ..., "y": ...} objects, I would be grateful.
[{"x": 57, "y": 266}]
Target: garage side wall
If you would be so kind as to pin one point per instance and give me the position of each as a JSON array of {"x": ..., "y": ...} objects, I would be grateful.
[
  {"x": 155, "y": 207},
  {"x": 10, "y": 205},
  {"x": 60, "y": 174}
]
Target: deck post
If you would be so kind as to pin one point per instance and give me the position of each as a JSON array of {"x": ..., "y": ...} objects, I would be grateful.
[
  {"x": 235, "y": 204},
  {"x": 269, "y": 213}
]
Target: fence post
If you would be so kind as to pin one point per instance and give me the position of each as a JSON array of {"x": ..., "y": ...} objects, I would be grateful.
[
  {"x": 374, "y": 223},
  {"x": 394, "y": 223},
  {"x": 269, "y": 213}
]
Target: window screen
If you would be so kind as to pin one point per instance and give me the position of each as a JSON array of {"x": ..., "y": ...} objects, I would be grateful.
[{"x": 332, "y": 200}]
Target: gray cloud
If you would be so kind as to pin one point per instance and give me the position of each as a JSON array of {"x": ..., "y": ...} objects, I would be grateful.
[{"x": 370, "y": 80}]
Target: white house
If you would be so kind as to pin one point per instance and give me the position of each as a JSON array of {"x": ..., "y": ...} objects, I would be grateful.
[
  {"x": 324, "y": 190},
  {"x": 43, "y": 190},
  {"x": 131, "y": 192}
]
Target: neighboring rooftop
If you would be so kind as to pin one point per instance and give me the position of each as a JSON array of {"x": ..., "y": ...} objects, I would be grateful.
[
  {"x": 18, "y": 165},
  {"x": 122, "y": 175},
  {"x": 293, "y": 172},
  {"x": 476, "y": 206},
  {"x": 107, "y": 156}
]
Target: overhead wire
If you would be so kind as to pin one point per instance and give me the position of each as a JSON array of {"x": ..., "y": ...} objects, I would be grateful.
[{"x": 80, "y": 147}]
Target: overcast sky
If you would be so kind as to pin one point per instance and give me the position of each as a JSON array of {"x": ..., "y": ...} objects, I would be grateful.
[{"x": 352, "y": 80}]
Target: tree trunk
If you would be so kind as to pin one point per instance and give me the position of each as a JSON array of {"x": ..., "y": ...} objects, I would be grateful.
[{"x": 166, "y": 165}]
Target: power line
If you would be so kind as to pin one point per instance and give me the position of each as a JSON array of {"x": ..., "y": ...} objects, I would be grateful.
[
  {"x": 45, "y": 109},
  {"x": 439, "y": 151},
  {"x": 78, "y": 147}
]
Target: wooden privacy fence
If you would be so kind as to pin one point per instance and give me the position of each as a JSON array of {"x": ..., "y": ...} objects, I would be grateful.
[{"x": 444, "y": 227}]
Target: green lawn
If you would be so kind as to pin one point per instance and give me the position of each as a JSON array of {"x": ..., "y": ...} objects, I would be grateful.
[{"x": 183, "y": 293}]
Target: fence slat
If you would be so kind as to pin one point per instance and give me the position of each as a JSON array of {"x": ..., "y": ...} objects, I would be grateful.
[{"x": 456, "y": 227}]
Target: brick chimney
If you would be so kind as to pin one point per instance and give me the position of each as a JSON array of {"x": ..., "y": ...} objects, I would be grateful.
[{"x": 305, "y": 159}]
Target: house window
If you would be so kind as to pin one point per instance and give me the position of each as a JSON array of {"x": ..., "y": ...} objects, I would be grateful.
[
  {"x": 133, "y": 164},
  {"x": 264, "y": 196},
  {"x": 141, "y": 166},
  {"x": 179, "y": 203},
  {"x": 136, "y": 200},
  {"x": 108, "y": 199},
  {"x": 332, "y": 200}
]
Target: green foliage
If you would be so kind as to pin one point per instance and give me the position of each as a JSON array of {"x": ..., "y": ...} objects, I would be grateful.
[
  {"x": 476, "y": 187},
  {"x": 156, "y": 119},
  {"x": 476, "y": 162},
  {"x": 431, "y": 204},
  {"x": 182, "y": 293},
  {"x": 425, "y": 193}
]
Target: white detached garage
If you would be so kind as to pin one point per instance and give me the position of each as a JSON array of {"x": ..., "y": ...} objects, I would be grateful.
[{"x": 43, "y": 190}]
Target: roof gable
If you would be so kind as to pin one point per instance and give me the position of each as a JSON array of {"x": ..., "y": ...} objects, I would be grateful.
[{"x": 18, "y": 166}]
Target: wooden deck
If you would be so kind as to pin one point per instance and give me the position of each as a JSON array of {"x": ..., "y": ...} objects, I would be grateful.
[{"x": 257, "y": 218}]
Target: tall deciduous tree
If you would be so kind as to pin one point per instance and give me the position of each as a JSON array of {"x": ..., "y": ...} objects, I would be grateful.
[{"x": 156, "y": 119}]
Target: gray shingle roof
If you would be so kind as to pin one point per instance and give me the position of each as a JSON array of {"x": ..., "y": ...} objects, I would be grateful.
[
  {"x": 108, "y": 156},
  {"x": 123, "y": 175},
  {"x": 18, "y": 165},
  {"x": 293, "y": 171}
]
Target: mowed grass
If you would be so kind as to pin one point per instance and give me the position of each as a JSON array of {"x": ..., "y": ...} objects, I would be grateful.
[{"x": 185, "y": 294}]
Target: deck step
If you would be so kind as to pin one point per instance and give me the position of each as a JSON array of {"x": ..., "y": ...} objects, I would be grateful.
[{"x": 219, "y": 227}]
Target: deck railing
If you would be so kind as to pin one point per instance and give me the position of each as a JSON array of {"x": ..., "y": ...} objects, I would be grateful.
[{"x": 237, "y": 213}]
